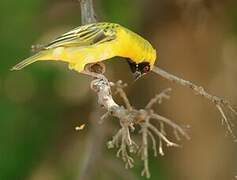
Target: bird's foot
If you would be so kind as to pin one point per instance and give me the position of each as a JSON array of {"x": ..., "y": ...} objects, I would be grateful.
[
  {"x": 94, "y": 75},
  {"x": 98, "y": 77},
  {"x": 98, "y": 67},
  {"x": 95, "y": 70}
]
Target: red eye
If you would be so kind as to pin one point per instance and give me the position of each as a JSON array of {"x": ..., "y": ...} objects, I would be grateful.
[{"x": 146, "y": 69}]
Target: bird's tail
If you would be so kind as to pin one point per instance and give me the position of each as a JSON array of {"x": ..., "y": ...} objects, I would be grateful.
[{"x": 39, "y": 56}]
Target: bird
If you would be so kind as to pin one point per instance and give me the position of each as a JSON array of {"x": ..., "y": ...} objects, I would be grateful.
[{"x": 94, "y": 43}]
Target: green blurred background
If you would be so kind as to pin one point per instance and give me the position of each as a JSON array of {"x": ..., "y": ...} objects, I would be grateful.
[{"x": 41, "y": 105}]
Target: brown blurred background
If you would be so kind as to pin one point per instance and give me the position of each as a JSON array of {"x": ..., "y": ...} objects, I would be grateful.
[{"x": 41, "y": 105}]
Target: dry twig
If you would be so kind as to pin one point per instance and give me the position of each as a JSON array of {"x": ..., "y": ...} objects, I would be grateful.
[
  {"x": 220, "y": 103},
  {"x": 130, "y": 116}
]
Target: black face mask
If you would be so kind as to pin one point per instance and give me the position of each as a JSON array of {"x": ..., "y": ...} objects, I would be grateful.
[{"x": 140, "y": 69}]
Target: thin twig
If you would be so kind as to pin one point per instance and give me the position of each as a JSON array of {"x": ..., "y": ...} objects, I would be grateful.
[
  {"x": 104, "y": 117},
  {"x": 162, "y": 130},
  {"x": 199, "y": 90},
  {"x": 225, "y": 120},
  {"x": 158, "y": 98},
  {"x": 170, "y": 123},
  {"x": 163, "y": 137},
  {"x": 119, "y": 85},
  {"x": 153, "y": 142}
]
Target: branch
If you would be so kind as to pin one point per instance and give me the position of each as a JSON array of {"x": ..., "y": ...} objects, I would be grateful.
[
  {"x": 130, "y": 116},
  {"x": 97, "y": 134},
  {"x": 94, "y": 147},
  {"x": 220, "y": 103},
  {"x": 119, "y": 90},
  {"x": 159, "y": 98},
  {"x": 87, "y": 12}
]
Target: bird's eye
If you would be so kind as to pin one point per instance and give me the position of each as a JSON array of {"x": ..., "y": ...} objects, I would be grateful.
[{"x": 146, "y": 69}]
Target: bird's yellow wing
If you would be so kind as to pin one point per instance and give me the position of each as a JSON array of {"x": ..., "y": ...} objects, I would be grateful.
[{"x": 87, "y": 35}]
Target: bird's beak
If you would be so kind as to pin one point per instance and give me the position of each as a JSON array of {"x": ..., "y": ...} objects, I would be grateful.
[{"x": 137, "y": 75}]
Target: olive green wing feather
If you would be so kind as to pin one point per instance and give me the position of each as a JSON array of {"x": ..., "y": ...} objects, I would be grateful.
[{"x": 87, "y": 35}]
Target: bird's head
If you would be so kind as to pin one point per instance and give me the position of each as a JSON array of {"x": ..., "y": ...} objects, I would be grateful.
[{"x": 139, "y": 69}]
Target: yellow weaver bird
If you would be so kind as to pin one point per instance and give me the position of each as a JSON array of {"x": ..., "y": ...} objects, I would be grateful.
[{"x": 93, "y": 43}]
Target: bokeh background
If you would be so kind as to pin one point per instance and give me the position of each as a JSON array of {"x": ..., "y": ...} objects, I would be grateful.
[{"x": 41, "y": 105}]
